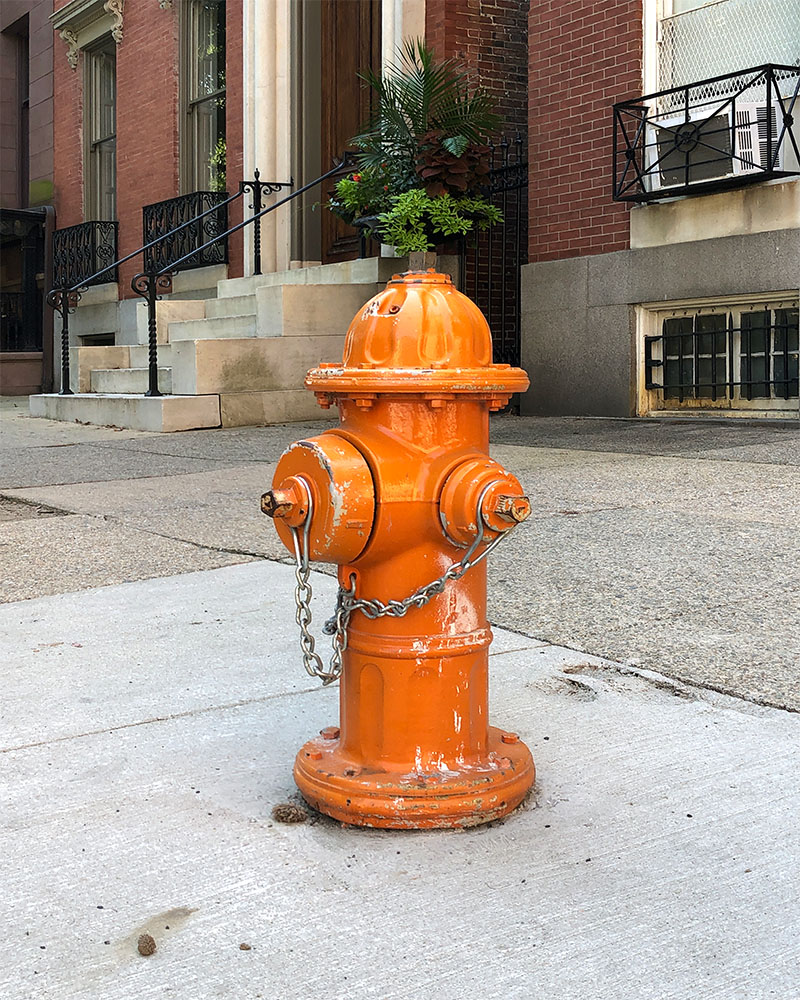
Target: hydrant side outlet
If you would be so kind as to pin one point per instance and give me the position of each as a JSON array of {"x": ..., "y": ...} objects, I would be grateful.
[{"x": 405, "y": 499}]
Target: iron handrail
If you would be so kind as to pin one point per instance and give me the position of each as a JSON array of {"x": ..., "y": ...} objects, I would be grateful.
[
  {"x": 151, "y": 285},
  {"x": 64, "y": 300},
  {"x": 258, "y": 215}
]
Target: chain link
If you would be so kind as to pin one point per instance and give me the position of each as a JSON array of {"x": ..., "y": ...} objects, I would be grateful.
[{"x": 347, "y": 602}]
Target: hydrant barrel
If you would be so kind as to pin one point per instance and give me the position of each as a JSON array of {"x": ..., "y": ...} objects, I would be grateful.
[{"x": 404, "y": 495}]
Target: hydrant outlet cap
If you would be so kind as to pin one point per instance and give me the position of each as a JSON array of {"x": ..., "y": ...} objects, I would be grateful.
[{"x": 420, "y": 334}]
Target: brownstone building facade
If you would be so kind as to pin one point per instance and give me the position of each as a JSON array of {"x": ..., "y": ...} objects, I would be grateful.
[{"x": 26, "y": 193}]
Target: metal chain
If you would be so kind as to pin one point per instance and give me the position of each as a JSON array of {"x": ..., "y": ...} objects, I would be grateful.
[{"x": 347, "y": 602}]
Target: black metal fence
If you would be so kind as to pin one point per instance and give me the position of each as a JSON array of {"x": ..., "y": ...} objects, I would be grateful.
[
  {"x": 726, "y": 131},
  {"x": 84, "y": 250},
  {"x": 491, "y": 260},
  {"x": 166, "y": 221}
]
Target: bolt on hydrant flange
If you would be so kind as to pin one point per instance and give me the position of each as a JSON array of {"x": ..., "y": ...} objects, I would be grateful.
[{"x": 404, "y": 497}]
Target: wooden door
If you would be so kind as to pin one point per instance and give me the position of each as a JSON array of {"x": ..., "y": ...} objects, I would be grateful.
[{"x": 351, "y": 42}]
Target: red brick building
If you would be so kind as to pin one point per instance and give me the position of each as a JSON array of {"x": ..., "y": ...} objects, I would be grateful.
[
  {"x": 633, "y": 238},
  {"x": 665, "y": 238}
]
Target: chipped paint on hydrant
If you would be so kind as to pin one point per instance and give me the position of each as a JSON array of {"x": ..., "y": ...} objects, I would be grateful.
[{"x": 398, "y": 492}]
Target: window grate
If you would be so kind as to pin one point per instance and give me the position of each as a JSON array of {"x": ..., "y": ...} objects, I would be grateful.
[
  {"x": 723, "y": 37},
  {"x": 741, "y": 355}
]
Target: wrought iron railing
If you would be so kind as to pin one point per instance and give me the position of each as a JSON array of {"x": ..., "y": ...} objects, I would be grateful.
[
  {"x": 491, "y": 260},
  {"x": 156, "y": 281},
  {"x": 90, "y": 248},
  {"x": 718, "y": 133},
  {"x": 160, "y": 223}
]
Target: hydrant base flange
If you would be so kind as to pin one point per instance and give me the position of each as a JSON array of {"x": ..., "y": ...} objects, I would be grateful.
[{"x": 389, "y": 798}]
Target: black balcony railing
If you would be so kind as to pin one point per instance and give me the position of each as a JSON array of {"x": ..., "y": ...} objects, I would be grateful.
[
  {"x": 82, "y": 250},
  {"x": 182, "y": 227},
  {"x": 719, "y": 133}
]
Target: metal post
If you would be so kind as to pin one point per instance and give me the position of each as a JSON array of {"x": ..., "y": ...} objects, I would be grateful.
[
  {"x": 151, "y": 286},
  {"x": 256, "y": 189},
  {"x": 59, "y": 299}
]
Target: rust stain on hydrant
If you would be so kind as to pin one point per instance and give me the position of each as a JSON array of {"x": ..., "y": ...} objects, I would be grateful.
[{"x": 400, "y": 492}]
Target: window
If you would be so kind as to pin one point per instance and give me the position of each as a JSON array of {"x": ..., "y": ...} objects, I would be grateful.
[
  {"x": 742, "y": 356},
  {"x": 697, "y": 40},
  {"x": 100, "y": 125},
  {"x": 203, "y": 71}
]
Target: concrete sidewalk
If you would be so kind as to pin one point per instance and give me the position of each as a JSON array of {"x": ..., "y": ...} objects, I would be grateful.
[
  {"x": 671, "y": 544},
  {"x": 148, "y": 728}
]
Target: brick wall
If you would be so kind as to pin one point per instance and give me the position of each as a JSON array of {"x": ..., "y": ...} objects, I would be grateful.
[
  {"x": 148, "y": 164},
  {"x": 489, "y": 37},
  {"x": 147, "y": 115},
  {"x": 585, "y": 55}
]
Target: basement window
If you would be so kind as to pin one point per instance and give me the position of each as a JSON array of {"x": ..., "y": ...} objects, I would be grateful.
[{"x": 732, "y": 356}]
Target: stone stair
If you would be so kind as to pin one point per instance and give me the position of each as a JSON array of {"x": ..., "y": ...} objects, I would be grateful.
[{"x": 235, "y": 359}]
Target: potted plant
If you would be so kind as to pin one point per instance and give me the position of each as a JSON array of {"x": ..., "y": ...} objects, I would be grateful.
[{"x": 422, "y": 156}]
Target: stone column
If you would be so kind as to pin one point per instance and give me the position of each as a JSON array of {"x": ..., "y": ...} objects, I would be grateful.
[{"x": 267, "y": 123}]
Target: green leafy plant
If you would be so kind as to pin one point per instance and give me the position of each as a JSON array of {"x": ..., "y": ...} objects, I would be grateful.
[
  {"x": 417, "y": 97},
  {"x": 423, "y": 155},
  {"x": 217, "y": 162},
  {"x": 363, "y": 193},
  {"x": 417, "y": 221}
]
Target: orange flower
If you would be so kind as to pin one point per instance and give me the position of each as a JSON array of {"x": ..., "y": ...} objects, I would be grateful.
[{"x": 356, "y": 177}]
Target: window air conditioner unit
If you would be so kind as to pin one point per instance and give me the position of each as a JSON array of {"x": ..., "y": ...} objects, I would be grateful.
[
  {"x": 682, "y": 151},
  {"x": 751, "y": 151}
]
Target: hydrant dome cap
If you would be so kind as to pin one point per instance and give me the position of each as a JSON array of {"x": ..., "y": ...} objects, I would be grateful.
[
  {"x": 418, "y": 334},
  {"x": 420, "y": 320}
]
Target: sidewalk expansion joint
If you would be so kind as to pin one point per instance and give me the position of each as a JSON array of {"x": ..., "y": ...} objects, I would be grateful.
[
  {"x": 161, "y": 718},
  {"x": 675, "y": 685}
]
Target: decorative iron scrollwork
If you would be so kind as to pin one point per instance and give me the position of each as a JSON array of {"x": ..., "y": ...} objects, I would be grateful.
[
  {"x": 82, "y": 254},
  {"x": 160, "y": 220}
]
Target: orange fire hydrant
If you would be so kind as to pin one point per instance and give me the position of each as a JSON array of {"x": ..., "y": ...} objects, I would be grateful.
[{"x": 404, "y": 497}]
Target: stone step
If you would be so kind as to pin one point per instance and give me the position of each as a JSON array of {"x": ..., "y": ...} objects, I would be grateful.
[
  {"x": 261, "y": 364},
  {"x": 370, "y": 270},
  {"x": 310, "y": 310},
  {"x": 137, "y": 412},
  {"x": 277, "y": 406},
  {"x": 198, "y": 282},
  {"x": 128, "y": 380},
  {"x": 218, "y": 328},
  {"x": 231, "y": 305},
  {"x": 140, "y": 356}
]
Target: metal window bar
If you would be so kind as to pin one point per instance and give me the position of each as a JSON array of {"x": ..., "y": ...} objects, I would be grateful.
[
  {"x": 683, "y": 141},
  {"x": 764, "y": 350}
]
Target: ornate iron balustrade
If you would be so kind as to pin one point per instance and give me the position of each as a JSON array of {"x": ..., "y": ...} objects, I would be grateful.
[
  {"x": 723, "y": 132},
  {"x": 180, "y": 229},
  {"x": 156, "y": 281},
  {"x": 85, "y": 254}
]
